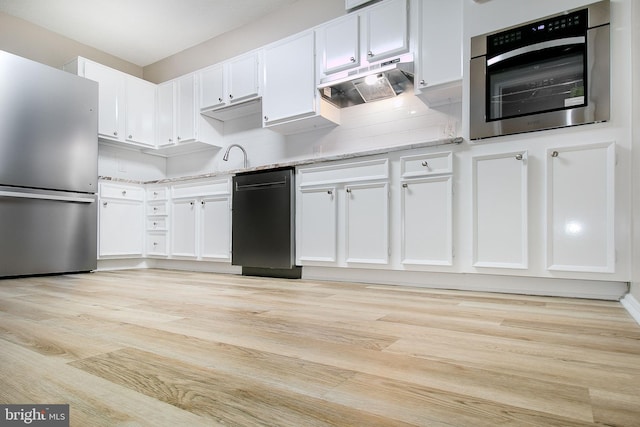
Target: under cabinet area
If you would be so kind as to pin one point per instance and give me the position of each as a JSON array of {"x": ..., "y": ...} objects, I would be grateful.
[{"x": 120, "y": 220}]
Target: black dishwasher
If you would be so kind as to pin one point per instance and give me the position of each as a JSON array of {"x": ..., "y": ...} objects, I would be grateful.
[{"x": 263, "y": 223}]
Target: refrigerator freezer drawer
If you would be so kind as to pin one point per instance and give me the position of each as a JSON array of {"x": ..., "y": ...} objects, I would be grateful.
[{"x": 47, "y": 232}]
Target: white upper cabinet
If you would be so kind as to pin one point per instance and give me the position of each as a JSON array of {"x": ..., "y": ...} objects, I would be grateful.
[
  {"x": 181, "y": 128},
  {"x": 387, "y": 30},
  {"x": 126, "y": 104},
  {"x": 140, "y": 119},
  {"x": 369, "y": 35},
  {"x": 341, "y": 44},
  {"x": 231, "y": 84},
  {"x": 111, "y": 97},
  {"x": 290, "y": 103},
  {"x": 439, "y": 71},
  {"x": 212, "y": 93}
]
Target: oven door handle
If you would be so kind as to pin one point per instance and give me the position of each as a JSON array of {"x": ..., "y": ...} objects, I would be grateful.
[{"x": 536, "y": 47}]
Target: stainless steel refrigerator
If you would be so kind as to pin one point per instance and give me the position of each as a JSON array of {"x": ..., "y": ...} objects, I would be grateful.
[{"x": 48, "y": 169}]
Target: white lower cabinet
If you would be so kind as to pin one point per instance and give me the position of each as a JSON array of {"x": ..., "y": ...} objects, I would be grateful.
[
  {"x": 580, "y": 208},
  {"x": 121, "y": 221},
  {"x": 343, "y": 214},
  {"x": 426, "y": 221},
  {"x": 367, "y": 223},
  {"x": 500, "y": 195},
  {"x": 201, "y": 221},
  {"x": 317, "y": 232}
]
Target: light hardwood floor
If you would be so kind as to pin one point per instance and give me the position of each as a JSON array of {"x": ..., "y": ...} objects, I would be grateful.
[{"x": 167, "y": 348}]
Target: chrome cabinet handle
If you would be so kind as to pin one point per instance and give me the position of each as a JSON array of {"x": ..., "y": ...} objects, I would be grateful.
[
  {"x": 202, "y": 202},
  {"x": 115, "y": 133},
  {"x": 124, "y": 192},
  {"x": 348, "y": 190},
  {"x": 230, "y": 96},
  {"x": 519, "y": 157},
  {"x": 219, "y": 99},
  {"x": 554, "y": 154},
  {"x": 266, "y": 119},
  {"x": 191, "y": 203},
  {"x": 170, "y": 139},
  {"x": 425, "y": 164},
  {"x": 352, "y": 59},
  {"x": 178, "y": 138},
  {"x": 330, "y": 192},
  {"x": 423, "y": 83},
  {"x": 369, "y": 54},
  {"x": 130, "y": 136},
  {"x": 105, "y": 204},
  {"x": 405, "y": 185}
]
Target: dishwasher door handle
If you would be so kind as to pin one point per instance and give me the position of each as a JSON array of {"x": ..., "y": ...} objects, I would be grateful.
[{"x": 274, "y": 184}]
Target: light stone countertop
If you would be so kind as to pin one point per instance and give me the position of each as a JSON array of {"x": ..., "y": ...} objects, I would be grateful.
[{"x": 294, "y": 163}]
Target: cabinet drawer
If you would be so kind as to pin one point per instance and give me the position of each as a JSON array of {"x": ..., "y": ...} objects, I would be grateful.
[
  {"x": 157, "y": 194},
  {"x": 156, "y": 224},
  {"x": 157, "y": 244},
  {"x": 346, "y": 172},
  {"x": 157, "y": 208},
  {"x": 195, "y": 190},
  {"x": 112, "y": 191},
  {"x": 426, "y": 164}
]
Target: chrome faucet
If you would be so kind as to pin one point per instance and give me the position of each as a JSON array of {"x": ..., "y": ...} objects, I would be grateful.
[{"x": 226, "y": 153}]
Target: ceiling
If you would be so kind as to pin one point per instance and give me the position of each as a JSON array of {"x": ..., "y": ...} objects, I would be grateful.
[{"x": 141, "y": 31}]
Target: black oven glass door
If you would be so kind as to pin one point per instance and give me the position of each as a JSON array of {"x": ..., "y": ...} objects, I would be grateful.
[{"x": 541, "y": 79}]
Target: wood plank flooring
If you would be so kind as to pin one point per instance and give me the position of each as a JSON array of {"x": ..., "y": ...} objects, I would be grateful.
[{"x": 167, "y": 348}]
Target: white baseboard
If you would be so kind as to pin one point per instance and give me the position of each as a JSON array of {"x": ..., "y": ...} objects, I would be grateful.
[
  {"x": 632, "y": 305},
  {"x": 591, "y": 289}
]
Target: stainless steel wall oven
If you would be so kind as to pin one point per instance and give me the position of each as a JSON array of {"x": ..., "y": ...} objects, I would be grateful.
[{"x": 544, "y": 74}]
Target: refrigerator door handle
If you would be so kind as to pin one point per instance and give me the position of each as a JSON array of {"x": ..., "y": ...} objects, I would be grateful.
[{"x": 15, "y": 194}]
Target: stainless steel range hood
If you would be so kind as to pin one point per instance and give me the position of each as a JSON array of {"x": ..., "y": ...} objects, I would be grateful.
[{"x": 368, "y": 84}]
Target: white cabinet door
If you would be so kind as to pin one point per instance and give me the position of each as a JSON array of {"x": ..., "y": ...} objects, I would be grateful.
[
  {"x": 140, "y": 113},
  {"x": 186, "y": 114},
  {"x": 317, "y": 230},
  {"x": 341, "y": 44},
  {"x": 440, "y": 42},
  {"x": 215, "y": 228},
  {"x": 121, "y": 228},
  {"x": 290, "y": 86},
  {"x": 387, "y": 30},
  {"x": 580, "y": 208},
  {"x": 500, "y": 211},
  {"x": 166, "y": 113},
  {"x": 367, "y": 223},
  {"x": 243, "y": 78},
  {"x": 212, "y": 87},
  {"x": 183, "y": 228},
  {"x": 427, "y": 218},
  {"x": 111, "y": 99}
]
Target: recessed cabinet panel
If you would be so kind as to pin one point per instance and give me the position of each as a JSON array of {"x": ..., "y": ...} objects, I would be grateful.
[
  {"x": 290, "y": 85},
  {"x": 186, "y": 109},
  {"x": 580, "y": 208},
  {"x": 212, "y": 87},
  {"x": 166, "y": 114},
  {"x": 387, "y": 30},
  {"x": 367, "y": 223},
  {"x": 500, "y": 211},
  {"x": 111, "y": 98},
  {"x": 140, "y": 112},
  {"x": 341, "y": 44},
  {"x": 216, "y": 228},
  {"x": 427, "y": 221},
  {"x": 243, "y": 78},
  {"x": 120, "y": 228},
  {"x": 183, "y": 228},
  {"x": 317, "y": 229}
]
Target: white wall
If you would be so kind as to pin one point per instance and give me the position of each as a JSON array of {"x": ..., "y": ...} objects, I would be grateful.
[{"x": 635, "y": 285}]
